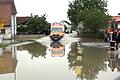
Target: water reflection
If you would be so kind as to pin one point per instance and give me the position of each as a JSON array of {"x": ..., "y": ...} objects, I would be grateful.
[
  {"x": 35, "y": 61},
  {"x": 75, "y": 60},
  {"x": 114, "y": 60},
  {"x": 90, "y": 63},
  {"x": 35, "y": 49},
  {"x": 8, "y": 61},
  {"x": 57, "y": 49}
]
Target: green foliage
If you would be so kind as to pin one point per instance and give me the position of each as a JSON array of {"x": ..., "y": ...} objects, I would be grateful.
[
  {"x": 95, "y": 21},
  {"x": 92, "y": 13},
  {"x": 2, "y": 45},
  {"x": 37, "y": 24},
  {"x": 75, "y": 13},
  {"x": 22, "y": 28}
]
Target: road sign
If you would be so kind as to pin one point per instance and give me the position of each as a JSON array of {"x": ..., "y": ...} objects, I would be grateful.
[{"x": 1, "y": 24}]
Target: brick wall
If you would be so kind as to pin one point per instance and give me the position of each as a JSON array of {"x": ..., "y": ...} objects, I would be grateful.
[{"x": 5, "y": 13}]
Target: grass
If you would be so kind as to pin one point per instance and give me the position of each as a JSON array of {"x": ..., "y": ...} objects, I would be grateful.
[{"x": 3, "y": 45}]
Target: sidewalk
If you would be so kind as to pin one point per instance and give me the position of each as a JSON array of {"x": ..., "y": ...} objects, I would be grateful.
[
  {"x": 22, "y": 39},
  {"x": 28, "y": 37}
]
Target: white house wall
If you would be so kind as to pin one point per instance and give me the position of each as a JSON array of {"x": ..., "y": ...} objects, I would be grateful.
[
  {"x": 13, "y": 25},
  {"x": 1, "y": 51},
  {"x": 11, "y": 30},
  {"x": 7, "y": 34}
]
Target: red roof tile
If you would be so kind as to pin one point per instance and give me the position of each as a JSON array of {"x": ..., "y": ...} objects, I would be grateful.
[{"x": 117, "y": 18}]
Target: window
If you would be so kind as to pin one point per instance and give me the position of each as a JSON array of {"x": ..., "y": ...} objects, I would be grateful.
[
  {"x": 57, "y": 30},
  {"x": 3, "y": 31}
]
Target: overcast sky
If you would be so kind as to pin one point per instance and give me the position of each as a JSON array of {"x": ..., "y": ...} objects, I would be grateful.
[
  {"x": 55, "y": 9},
  {"x": 114, "y": 7}
]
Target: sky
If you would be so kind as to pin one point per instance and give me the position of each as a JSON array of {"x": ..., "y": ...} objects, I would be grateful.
[
  {"x": 56, "y": 10},
  {"x": 113, "y": 7}
]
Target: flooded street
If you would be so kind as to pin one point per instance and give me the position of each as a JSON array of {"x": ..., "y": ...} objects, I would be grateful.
[{"x": 69, "y": 59}]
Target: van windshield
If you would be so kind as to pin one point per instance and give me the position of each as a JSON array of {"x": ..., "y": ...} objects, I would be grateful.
[
  {"x": 57, "y": 51},
  {"x": 56, "y": 30}
]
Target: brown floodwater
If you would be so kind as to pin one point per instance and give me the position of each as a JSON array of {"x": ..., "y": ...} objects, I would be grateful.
[{"x": 58, "y": 61}]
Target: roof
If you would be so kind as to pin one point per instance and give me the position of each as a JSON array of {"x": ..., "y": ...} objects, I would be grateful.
[
  {"x": 22, "y": 20},
  {"x": 117, "y": 18},
  {"x": 7, "y": 8},
  {"x": 11, "y": 3}
]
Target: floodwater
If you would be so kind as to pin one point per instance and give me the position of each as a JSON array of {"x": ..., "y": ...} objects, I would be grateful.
[{"x": 68, "y": 59}]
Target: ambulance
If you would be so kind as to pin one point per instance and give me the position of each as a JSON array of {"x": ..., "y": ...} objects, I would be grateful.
[{"x": 57, "y": 32}]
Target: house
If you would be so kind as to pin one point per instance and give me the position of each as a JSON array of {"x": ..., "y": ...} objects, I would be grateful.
[
  {"x": 8, "y": 14},
  {"x": 117, "y": 19},
  {"x": 22, "y": 20}
]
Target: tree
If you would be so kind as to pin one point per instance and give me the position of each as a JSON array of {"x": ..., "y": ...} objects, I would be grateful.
[
  {"x": 95, "y": 21},
  {"x": 92, "y": 13},
  {"x": 37, "y": 24},
  {"x": 35, "y": 49},
  {"x": 75, "y": 13}
]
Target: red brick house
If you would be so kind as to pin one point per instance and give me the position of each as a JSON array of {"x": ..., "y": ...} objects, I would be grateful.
[{"x": 8, "y": 14}]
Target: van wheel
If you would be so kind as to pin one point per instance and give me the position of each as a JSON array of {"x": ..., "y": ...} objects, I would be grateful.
[
  {"x": 116, "y": 47},
  {"x": 112, "y": 48}
]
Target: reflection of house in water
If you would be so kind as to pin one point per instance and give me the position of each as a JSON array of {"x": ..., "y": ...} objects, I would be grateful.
[
  {"x": 57, "y": 49},
  {"x": 8, "y": 60},
  {"x": 114, "y": 60}
]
